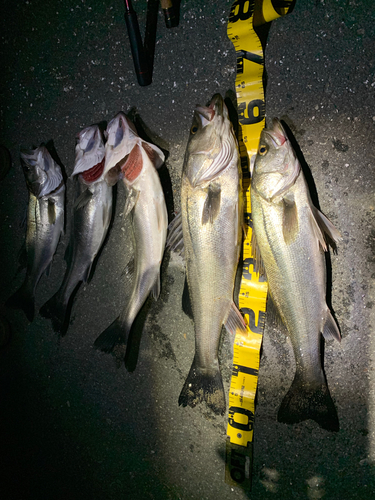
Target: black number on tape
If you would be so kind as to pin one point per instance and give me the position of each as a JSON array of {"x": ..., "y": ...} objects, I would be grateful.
[
  {"x": 241, "y": 10},
  {"x": 255, "y": 112},
  {"x": 237, "y": 425},
  {"x": 251, "y": 314}
]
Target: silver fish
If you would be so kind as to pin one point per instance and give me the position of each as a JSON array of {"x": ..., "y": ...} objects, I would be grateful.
[
  {"x": 209, "y": 231},
  {"x": 45, "y": 222},
  {"x": 137, "y": 160},
  {"x": 291, "y": 236},
  {"x": 91, "y": 217}
]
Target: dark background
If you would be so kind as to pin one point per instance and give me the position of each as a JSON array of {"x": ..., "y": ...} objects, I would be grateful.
[{"x": 74, "y": 423}]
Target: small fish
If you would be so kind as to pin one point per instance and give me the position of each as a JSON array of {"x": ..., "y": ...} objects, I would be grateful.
[
  {"x": 291, "y": 236},
  {"x": 137, "y": 161},
  {"x": 209, "y": 233},
  {"x": 91, "y": 217},
  {"x": 45, "y": 222}
]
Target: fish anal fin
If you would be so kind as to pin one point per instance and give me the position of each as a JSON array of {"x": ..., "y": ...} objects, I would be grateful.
[
  {"x": 330, "y": 328},
  {"x": 235, "y": 321},
  {"x": 290, "y": 219},
  {"x": 211, "y": 206}
]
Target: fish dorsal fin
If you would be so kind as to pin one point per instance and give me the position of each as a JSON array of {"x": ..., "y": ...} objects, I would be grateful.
[
  {"x": 330, "y": 328},
  {"x": 129, "y": 269},
  {"x": 175, "y": 240},
  {"x": 259, "y": 266},
  {"x": 212, "y": 204},
  {"x": 290, "y": 219},
  {"x": 326, "y": 228},
  {"x": 235, "y": 320},
  {"x": 131, "y": 200}
]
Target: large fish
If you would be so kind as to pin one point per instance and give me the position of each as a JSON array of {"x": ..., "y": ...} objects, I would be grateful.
[
  {"x": 91, "y": 217},
  {"x": 211, "y": 236},
  {"x": 45, "y": 222},
  {"x": 137, "y": 161},
  {"x": 291, "y": 236}
]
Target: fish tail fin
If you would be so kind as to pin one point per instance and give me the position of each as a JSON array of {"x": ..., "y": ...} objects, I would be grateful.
[
  {"x": 115, "y": 334},
  {"x": 23, "y": 299},
  {"x": 203, "y": 385},
  {"x": 305, "y": 401},
  {"x": 57, "y": 311}
]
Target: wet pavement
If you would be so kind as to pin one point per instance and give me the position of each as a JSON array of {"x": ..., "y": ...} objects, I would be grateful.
[{"x": 74, "y": 422}]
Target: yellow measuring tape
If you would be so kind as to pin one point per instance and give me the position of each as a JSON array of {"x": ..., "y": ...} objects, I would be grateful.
[{"x": 243, "y": 17}]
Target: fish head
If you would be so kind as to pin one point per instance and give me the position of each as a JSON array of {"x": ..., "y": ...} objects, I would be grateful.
[
  {"x": 122, "y": 137},
  {"x": 211, "y": 144},
  {"x": 43, "y": 175},
  {"x": 276, "y": 167},
  {"x": 90, "y": 151},
  {"x": 126, "y": 152}
]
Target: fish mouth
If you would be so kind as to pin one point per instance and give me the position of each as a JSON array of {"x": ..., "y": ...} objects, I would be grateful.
[
  {"x": 277, "y": 133},
  {"x": 214, "y": 109}
]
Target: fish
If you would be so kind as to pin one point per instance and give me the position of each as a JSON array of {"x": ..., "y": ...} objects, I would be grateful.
[
  {"x": 290, "y": 238},
  {"x": 208, "y": 233},
  {"x": 45, "y": 222},
  {"x": 138, "y": 161},
  {"x": 92, "y": 212}
]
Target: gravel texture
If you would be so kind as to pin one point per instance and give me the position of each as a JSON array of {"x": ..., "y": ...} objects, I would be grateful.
[{"x": 74, "y": 423}]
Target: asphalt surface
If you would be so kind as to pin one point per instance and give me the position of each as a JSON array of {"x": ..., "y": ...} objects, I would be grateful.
[{"x": 74, "y": 422}]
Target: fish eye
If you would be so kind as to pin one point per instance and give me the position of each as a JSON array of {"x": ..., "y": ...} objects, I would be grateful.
[
  {"x": 262, "y": 150},
  {"x": 194, "y": 129}
]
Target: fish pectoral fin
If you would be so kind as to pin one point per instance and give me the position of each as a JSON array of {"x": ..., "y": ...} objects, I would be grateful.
[
  {"x": 259, "y": 266},
  {"x": 51, "y": 211},
  {"x": 290, "y": 219},
  {"x": 235, "y": 320},
  {"x": 175, "y": 239},
  {"x": 211, "y": 206},
  {"x": 186, "y": 302},
  {"x": 131, "y": 200},
  {"x": 83, "y": 199},
  {"x": 155, "y": 155},
  {"x": 328, "y": 230},
  {"x": 330, "y": 328},
  {"x": 161, "y": 213},
  {"x": 155, "y": 290}
]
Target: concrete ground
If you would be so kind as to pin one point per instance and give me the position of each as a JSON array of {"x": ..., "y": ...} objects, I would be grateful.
[{"x": 74, "y": 423}]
